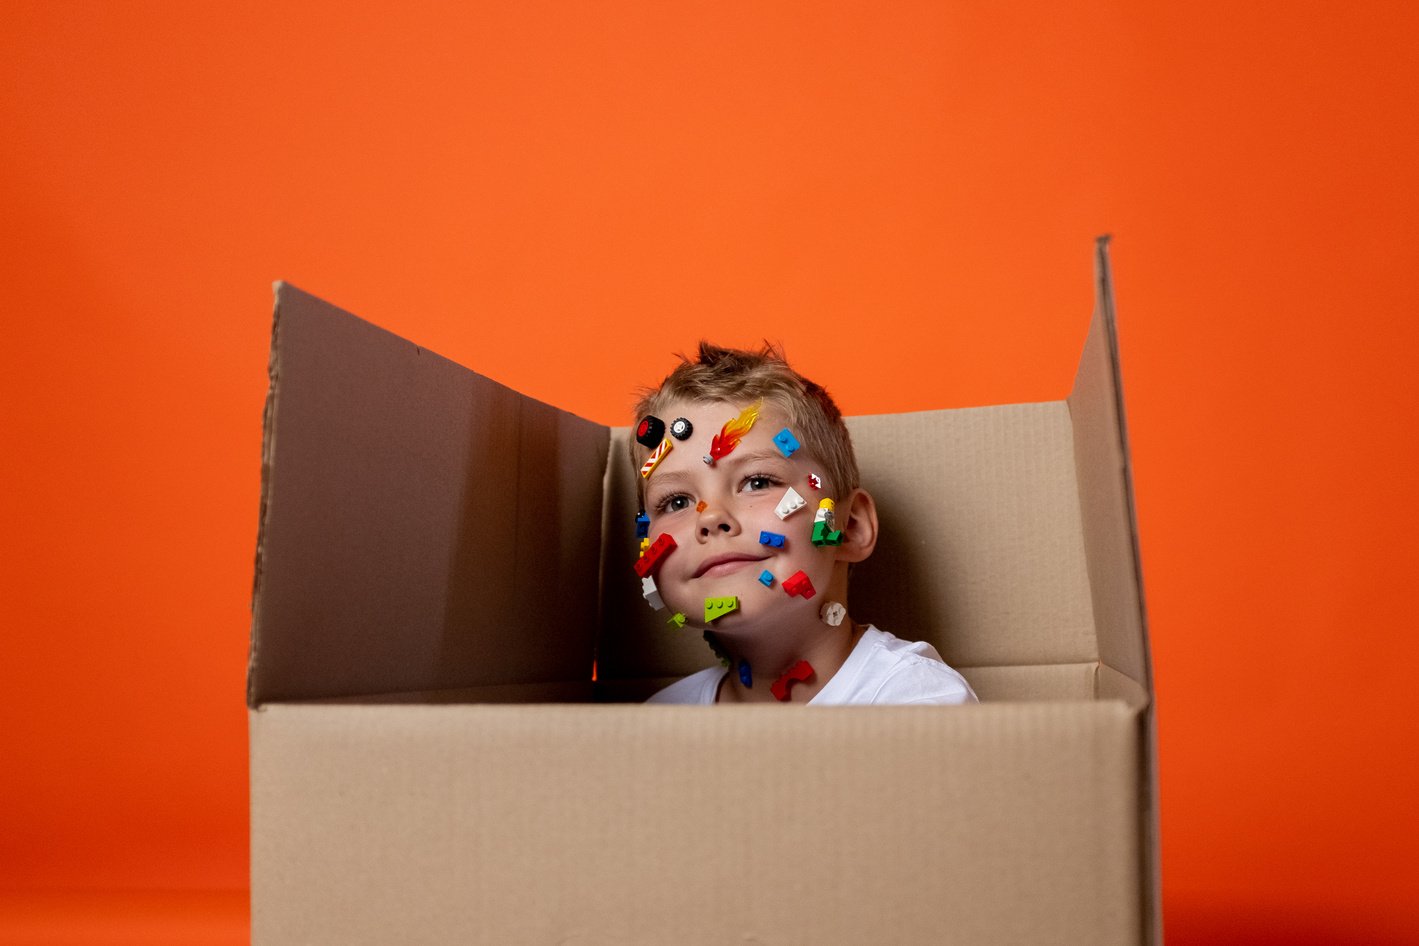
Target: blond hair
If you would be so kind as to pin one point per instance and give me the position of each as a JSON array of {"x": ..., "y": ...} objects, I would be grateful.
[{"x": 742, "y": 377}]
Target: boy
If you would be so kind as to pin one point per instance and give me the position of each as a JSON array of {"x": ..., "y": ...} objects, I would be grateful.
[{"x": 755, "y": 515}]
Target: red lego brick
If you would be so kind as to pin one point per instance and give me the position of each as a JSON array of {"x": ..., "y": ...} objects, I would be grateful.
[
  {"x": 796, "y": 674},
  {"x": 799, "y": 584},
  {"x": 663, "y": 545}
]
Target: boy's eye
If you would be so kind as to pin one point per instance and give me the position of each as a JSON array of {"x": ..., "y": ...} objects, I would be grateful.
[
  {"x": 759, "y": 481},
  {"x": 673, "y": 503}
]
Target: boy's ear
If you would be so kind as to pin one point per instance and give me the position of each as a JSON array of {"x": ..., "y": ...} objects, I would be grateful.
[{"x": 857, "y": 518}]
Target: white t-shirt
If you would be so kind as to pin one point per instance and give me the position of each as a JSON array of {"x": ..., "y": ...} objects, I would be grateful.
[{"x": 881, "y": 669}]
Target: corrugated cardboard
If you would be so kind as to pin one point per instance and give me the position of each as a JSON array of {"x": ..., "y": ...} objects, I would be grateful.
[{"x": 444, "y": 606}]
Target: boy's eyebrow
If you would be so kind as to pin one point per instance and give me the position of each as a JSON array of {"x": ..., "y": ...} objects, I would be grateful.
[
  {"x": 673, "y": 477},
  {"x": 742, "y": 458}
]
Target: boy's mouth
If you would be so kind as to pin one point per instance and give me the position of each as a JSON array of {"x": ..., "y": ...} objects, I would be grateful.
[{"x": 726, "y": 564}]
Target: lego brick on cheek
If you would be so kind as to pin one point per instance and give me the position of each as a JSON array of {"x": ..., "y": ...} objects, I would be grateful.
[{"x": 663, "y": 545}]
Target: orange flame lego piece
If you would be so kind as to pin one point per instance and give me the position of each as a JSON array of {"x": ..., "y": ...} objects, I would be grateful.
[{"x": 732, "y": 432}]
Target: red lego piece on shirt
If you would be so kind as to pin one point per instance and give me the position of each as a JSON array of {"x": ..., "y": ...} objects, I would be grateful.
[
  {"x": 799, "y": 584},
  {"x": 796, "y": 674},
  {"x": 663, "y": 545}
]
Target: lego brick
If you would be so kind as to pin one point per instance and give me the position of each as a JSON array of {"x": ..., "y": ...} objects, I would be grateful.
[
  {"x": 746, "y": 675},
  {"x": 791, "y": 503},
  {"x": 651, "y": 594},
  {"x": 700, "y": 506},
  {"x": 663, "y": 545},
  {"x": 772, "y": 539},
  {"x": 815, "y": 481},
  {"x": 658, "y": 454},
  {"x": 799, "y": 672},
  {"x": 681, "y": 428},
  {"x": 716, "y": 608},
  {"x": 766, "y": 578},
  {"x": 642, "y": 525},
  {"x": 676, "y": 620},
  {"x": 833, "y": 613},
  {"x": 799, "y": 584},
  {"x": 786, "y": 442}
]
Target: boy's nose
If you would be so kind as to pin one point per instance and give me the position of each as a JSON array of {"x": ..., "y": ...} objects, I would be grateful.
[{"x": 716, "y": 519}]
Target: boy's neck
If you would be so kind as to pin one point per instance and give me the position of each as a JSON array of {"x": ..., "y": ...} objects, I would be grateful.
[{"x": 769, "y": 658}]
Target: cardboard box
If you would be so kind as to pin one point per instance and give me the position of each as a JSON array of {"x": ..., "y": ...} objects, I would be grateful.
[{"x": 447, "y": 634}]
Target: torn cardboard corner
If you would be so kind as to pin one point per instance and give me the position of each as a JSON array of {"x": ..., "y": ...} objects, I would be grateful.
[{"x": 443, "y": 747}]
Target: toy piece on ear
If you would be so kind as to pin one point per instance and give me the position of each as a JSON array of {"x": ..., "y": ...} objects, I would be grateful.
[
  {"x": 676, "y": 620},
  {"x": 799, "y": 672},
  {"x": 716, "y": 608},
  {"x": 786, "y": 442},
  {"x": 656, "y": 455},
  {"x": 650, "y": 431},
  {"x": 771, "y": 539},
  {"x": 663, "y": 545},
  {"x": 681, "y": 428},
  {"x": 731, "y": 433},
  {"x": 791, "y": 503},
  {"x": 815, "y": 481},
  {"x": 642, "y": 525},
  {"x": 833, "y": 613},
  {"x": 651, "y": 594},
  {"x": 799, "y": 584},
  {"x": 746, "y": 676},
  {"x": 766, "y": 578}
]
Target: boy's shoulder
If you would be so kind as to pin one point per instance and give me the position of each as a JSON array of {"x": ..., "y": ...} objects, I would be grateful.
[
  {"x": 883, "y": 668},
  {"x": 697, "y": 689}
]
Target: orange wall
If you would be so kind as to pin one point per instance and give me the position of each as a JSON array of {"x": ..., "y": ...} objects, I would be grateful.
[{"x": 560, "y": 199}]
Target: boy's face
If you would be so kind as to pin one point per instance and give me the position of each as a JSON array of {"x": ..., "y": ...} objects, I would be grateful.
[{"x": 718, "y": 553}]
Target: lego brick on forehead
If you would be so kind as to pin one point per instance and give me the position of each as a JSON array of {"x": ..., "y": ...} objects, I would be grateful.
[
  {"x": 650, "y": 431},
  {"x": 658, "y": 454},
  {"x": 786, "y": 442},
  {"x": 733, "y": 431}
]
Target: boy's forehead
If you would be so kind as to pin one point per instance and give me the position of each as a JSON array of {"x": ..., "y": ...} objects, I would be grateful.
[
  {"x": 716, "y": 414},
  {"x": 708, "y": 419}
]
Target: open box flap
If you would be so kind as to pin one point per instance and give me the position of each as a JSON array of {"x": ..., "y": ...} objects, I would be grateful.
[
  {"x": 1102, "y": 455},
  {"x": 1106, "y": 490},
  {"x": 422, "y": 527}
]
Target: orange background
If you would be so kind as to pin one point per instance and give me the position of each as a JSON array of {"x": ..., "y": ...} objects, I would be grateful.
[{"x": 559, "y": 196}]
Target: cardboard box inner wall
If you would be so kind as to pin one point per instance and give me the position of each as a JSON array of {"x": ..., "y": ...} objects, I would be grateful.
[{"x": 448, "y": 637}]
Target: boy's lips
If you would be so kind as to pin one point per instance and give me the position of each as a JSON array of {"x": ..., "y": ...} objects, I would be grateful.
[{"x": 726, "y": 564}]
